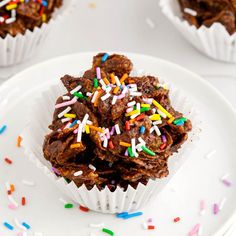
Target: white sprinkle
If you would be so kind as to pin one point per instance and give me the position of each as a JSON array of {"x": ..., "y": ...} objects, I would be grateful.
[
  {"x": 1, "y": 19},
  {"x": 105, "y": 142},
  {"x": 65, "y": 98},
  {"x": 157, "y": 122},
  {"x": 78, "y": 173},
  {"x": 133, "y": 146},
  {"x": 210, "y": 154},
  {"x": 10, "y": 20},
  {"x": 117, "y": 81},
  {"x": 148, "y": 100},
  {"x": 141, "y": 141},
  {"x": 145, "y": 225},
  {"x": 138, "y": 107},
  {"x": 67, "y": 126},
  {"x": 4, "y": 2},
  {"x": 89, "y": 94},
  {"x": 94, "y": 96},
  {"x": 125, "y": 90},
  {"x": 130, "y": 104},
  {"x": 202, "y": 212},
  {"x": 132, "y": 85},
  {"x": 117, "y": 128},
  {"x": 150, "y": 23},
  {"x": 129, "y": 109},
  {"x": 84, "y": 121},
  {"x": 154, "y": 110},
  {"x": 139, "y": 147},
  {"x": 17, "y": 223},
  {"x": 65, "y": 120},
  {"x": 190, "y": 11},
  {"x": 105, "y": 97},
  {"x": 114, "y": 99},
  {"x": 152, "y": 129},
  {"x": 133, "y": 90},
  {"x": 89, "y": 122},
  {"x": 60, "y": 115},
  {"x": 199, "y": 231},
  {"x": 158, "y": 132},
  {"x": 92, "y": 167},
  {"x": 101, "y": 81},
  {"x": 12, "y": 200},
  {"x": 222, "y": 203},
  {"x": 161, "y": 113},
  {"x": 108, "y": 89},
  {"x": 28, "y": 183},
  {"x": 79, "y": 134},
  {"x": 100, "y": 225},
  {"x": 134, "y": 116},
  {"x": 62, "y": 200},
  {"x": 137, "y": 94},
  {"x": 13, "y": 13},
  {"x": 76, "y": 89}
]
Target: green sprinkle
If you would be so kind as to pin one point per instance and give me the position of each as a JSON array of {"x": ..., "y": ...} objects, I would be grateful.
[
  {"x": 108, "y": 231},
  {"x": 148, "y": 151},
  {"x": 79, "y": 95},
  {"x": 143, "y": 109},
  {"x": 183, "y": 119},
  {"x": 130, "y": 152},
  {"x": 69, "y": 205},
  {"x": 95, "y": 83}
]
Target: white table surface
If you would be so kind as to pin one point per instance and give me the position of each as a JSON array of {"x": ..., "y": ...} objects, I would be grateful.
[{"x": 121, "y": 26}]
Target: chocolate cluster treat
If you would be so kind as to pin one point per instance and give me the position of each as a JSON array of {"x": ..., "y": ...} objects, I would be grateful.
[
  {"x": 112, "y": 129},
  {"x": 207, "y": 12},
  {"x": 16, "y": 16}
]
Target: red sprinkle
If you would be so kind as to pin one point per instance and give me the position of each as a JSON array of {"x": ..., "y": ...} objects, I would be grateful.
[
  {"x": 8, "y": 161},
  {"x": 9, "y": 192},
  {"x": 111, "y": 145},
  {"x": 41, "y": 10},
  {"x": 163, "y": 146},
  {"x": 23, "y": 201},
  {"x": 150, "y": 227},
  {"x": 127, "y": 125},
  {"x": 177, "y": 219},
  {"x": 85, "y": 209},
  {"x": 140, "y": 117}
]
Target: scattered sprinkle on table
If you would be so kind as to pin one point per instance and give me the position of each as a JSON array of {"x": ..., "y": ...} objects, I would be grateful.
[
  {"x": 99, "y": 225},
  {"x": 19, "y": 139},
  {"x": 9, "y": 226},
  {"x": 82, "y": 208},
  {"x": 210, "y": 154},
  {"x": 108, "y": 231},
  {"x": 177, "y": 219},
  {"x": 68, "y": 205},
  {"x": 3, "y": 128},
  {"x": 126, "y": 215},
  {"x": 27, "y": 226},
  {"x": 8, "y": 161},
  {"x": 23, "y": 201}
]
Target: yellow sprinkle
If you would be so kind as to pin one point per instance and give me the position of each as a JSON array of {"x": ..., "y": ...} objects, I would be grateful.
[
  {"x": 112, "y": 78},
  {"x": 161, "y": 108},
  {"x": 11, "y": 6},
  {"x": 132, "y": 113},
  {"x": 22, "y": 0},
  {"x": 87, "y": 130},
  {"x": 155, "y": 117},
  {"x": 76, "y": 145},
  {"x": 44, "y": 17},
  {"x": 116, "y": 89},
  {"x": 145, "y": 105},
  {"x": 98, "y": 129},
  {"x": 171, "y": 120},
  {"x": 124, "y": 77},
  {"x": 124, "y": 144},
  {"x": 70, "y": 115},
  {"x": 106, "y": 81}
]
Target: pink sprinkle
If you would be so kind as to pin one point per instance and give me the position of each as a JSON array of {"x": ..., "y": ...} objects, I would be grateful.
[
  {"x": 194, "y": 230},
  {"x": 12, "y": 206},
  {"x": 112, "y": 130},
  {"x": 107, "y": 133},
  {"x": 75, "y": 131},
  {"x": 121, "y": 96},
  {"x": 149, "y": 220},
  {"x": 126, "y": 152},
  {"x": 63, "y": 104},
  {"x": 216, "y": 209},
  {"x": 129, "y": 109},
  {"x": 226, "y": 182},
  {"x": 98, "y": 71},
  {"x": 56, "y": 171}
]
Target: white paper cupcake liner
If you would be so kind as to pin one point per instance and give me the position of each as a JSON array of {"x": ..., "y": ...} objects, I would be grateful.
[
  {"x": 101, "y": 200},
  {"x": 214, "y": 41},
  {"x": 14, "y": 50}
]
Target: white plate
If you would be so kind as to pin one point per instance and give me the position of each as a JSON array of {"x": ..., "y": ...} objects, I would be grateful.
[{"x": 199, "y": 178}]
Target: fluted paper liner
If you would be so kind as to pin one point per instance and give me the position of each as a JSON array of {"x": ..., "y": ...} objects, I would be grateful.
[
  {"x": 104, "y": 200},
  {"x": 214, "y": 41},
  {"x": 14, "y": 50}
]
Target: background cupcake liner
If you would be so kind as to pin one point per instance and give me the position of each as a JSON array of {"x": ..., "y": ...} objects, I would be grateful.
[
  {"x": 102, "y": 201},
  {"x": 215, "y": 41},
  {"x": 14, "y": 50}
]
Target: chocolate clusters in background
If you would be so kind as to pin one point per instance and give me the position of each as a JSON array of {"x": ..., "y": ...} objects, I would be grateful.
[
  {"x": 112, "y": 167},
  {"x": 18, "y": 16},
  {"x": 209, "y": 12}
]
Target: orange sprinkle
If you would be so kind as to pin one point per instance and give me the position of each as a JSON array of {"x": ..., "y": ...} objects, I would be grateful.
[
  {"x": 12, "y": 187},
  {"x": 131, "y": 81},
  {"x": 132, "y": 120},
  {"x": 124, "y": 144},
  {"x": 127, "y": 125},
  {"x": 123, "y": 78},
  {"x": 106, "y": 81},
  {"x": 140, "y": 117},
  {"x": 97, "y": 98},
  {"x": 170, "y": 120},
  {"x": 116, "y": 89},
  {"x": 112, "y": 78},
  {"x": 23, "y": 201},
  {"x": 75, "y": 145},
  {"x": 98, "y": 129},
  {"x": 111, "y": 145},
  {"x": 19, "y": 139}
]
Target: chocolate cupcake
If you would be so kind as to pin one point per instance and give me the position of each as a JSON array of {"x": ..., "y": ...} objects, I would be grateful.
[
  {"x": 112, "y": 135},
  {"x": 24, "y": 25},
  {"x": 207, "y": 24}
]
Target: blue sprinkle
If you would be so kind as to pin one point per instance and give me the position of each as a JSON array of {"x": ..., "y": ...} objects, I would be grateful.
[
  {"x": 44, "y": 3},
  {"x": 142, "y": 130},
  {"x": 122, "y": 214},
  {"x": 179, "y": 123},
  {"x": 3, "y": 129},
  {"x": 10, "y": 227},
  {"x": 105, "y": 56},
  {"x": 26, "y": 225},
  {"x": 125, "y": 217},
  {"x": 73, "y": 123}
]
